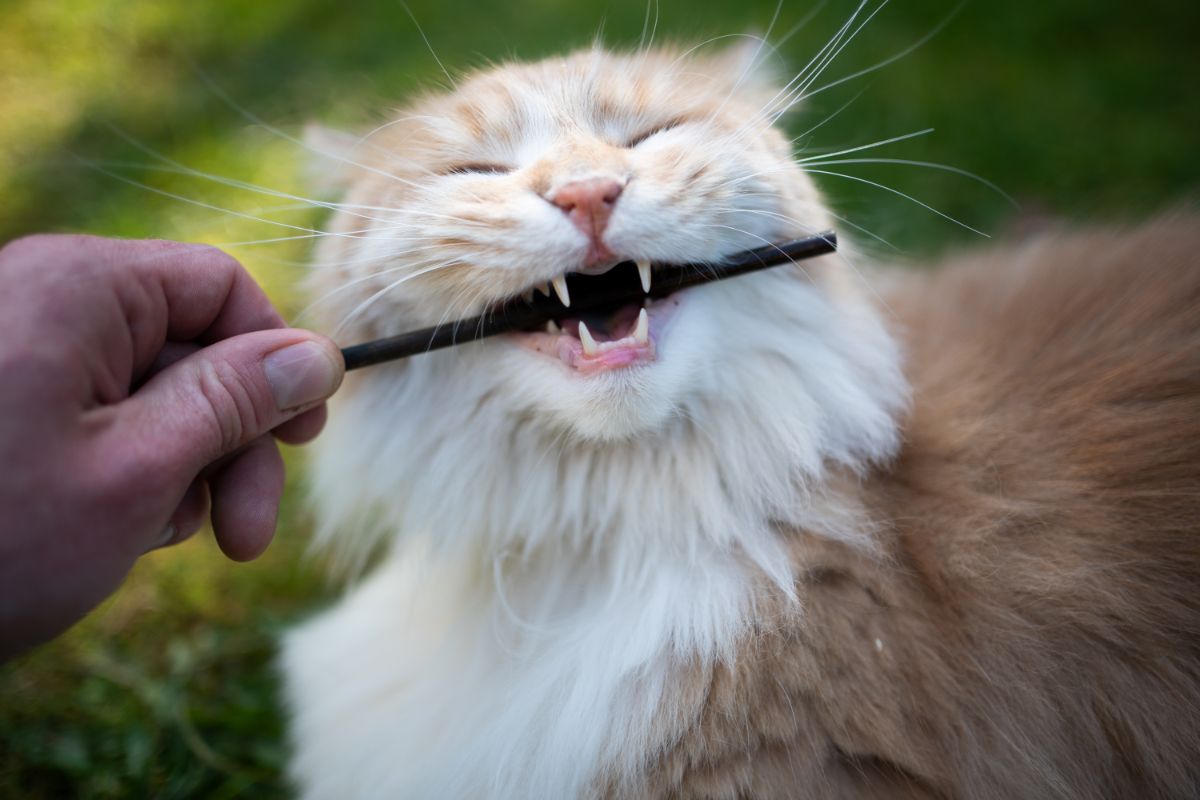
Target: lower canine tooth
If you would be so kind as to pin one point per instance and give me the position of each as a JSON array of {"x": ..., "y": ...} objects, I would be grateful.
[
  {"x": 560, "y": 288},
  {"x": 641, "y": 331},
  {"x": 644, "y": 272},
  {"x": 585, "y": 336}
]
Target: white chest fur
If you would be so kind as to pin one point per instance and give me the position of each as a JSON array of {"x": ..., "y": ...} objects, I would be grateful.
[{"x": 431, "y": 680}]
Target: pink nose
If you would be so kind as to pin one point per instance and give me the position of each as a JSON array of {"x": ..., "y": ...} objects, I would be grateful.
[{"x": 589, "y": 203}]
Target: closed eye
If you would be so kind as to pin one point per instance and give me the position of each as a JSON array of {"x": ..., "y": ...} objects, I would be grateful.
[
  {"x": 477, "y": 168},
  {"x": 646, "y": 134}
]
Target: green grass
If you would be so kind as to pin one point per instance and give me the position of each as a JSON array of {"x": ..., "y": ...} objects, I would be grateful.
[{"x": 1079, "y": 110}]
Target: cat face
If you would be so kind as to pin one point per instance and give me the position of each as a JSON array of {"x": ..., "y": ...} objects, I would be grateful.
[{"x": 525, "y": 173}]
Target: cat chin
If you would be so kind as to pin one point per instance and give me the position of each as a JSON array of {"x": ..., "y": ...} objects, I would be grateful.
[{"x": 609, "y": 407}]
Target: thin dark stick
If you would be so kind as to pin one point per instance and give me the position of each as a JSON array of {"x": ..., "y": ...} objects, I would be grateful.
[{"x": 600, "y": 292}]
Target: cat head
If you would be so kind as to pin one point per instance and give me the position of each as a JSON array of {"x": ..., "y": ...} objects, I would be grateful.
[{"x": 526, "y": 172}]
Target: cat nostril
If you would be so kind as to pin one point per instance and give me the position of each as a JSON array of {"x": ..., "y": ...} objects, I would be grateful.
[{"x": 588, "y": 196}]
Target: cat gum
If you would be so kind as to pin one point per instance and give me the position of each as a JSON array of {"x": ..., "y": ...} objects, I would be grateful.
[{"x": 588, "y": 353}]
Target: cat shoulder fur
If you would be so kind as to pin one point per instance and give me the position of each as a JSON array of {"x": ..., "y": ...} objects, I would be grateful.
[{"x": 1032, "y": 627}]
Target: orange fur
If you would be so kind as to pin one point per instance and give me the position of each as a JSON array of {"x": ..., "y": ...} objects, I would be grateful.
[{"x": 1031, "y": 627}]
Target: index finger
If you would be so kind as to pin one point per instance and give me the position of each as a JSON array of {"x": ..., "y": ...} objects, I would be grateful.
[
  {"x": 174, "y": 292},
  {"x": 124, "y": 299},
  {"x": 202, "y": 293}
]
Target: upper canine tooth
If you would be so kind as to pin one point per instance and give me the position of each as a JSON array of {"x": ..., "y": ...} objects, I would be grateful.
[
  {"x": 585, "y": 336},
  {"x": 560, "y": 288},
  {"x": 641, "y": 331},
  {"x": 643, "y": 266}
]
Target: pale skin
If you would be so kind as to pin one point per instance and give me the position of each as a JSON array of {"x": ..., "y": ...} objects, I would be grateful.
[{"x": 143, "y": 386}]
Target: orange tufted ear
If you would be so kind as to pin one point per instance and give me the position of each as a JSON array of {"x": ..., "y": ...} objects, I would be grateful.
[{"x": 750, "y": 63}]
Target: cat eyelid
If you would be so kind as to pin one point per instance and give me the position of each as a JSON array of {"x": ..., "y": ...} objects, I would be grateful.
[
  {"x": 641, "y": 137},
  {"x": 477, "y": 168}
]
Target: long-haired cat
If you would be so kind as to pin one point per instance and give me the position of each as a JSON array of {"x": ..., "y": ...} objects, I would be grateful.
[{"x": 767, "y": 538}]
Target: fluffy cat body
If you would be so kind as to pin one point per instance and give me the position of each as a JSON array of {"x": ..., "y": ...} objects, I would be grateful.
[{"x": 747, "y": 566}]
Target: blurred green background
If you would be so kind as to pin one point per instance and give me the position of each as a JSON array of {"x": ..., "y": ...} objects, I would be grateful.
[{"x": 1080, "y": 110}]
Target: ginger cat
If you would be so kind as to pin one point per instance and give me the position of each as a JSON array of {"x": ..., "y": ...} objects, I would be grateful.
[{"x": 775, "y": 537}]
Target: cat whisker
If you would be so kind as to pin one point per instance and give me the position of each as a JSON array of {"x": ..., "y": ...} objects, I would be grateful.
[
  {"x": 767, "y": 112},
  {"x": 842, "y": 253},
  {"x": 928, "y": 164},
  {"x": 816, "y": 160},
  {"x": 906, "y": 196},
  {"x": 363, "y": 234},
  {"x": 355, "y": 282},
  {"x": 827, "y": 119},
  {"x": 871, "y": 146},
  {"x": 767, "y": 115},
  {"x": 274, "y": 131},
  {"x": 786, "y": 97},
  {"x": 803, "y": 23},
  {"x": 428, "y": 45},
  {"x": 365, "y": 139},
  {"x": 803, "y": 88},
  {"x": 177, "y": 168},
  {"x": 192, "y": 201},
  {"x": 643, "y": 44},
  {"x": 894, "y": 58},
  {"x": 358, "y": 310},
  {"x": 810, "y": 229}
]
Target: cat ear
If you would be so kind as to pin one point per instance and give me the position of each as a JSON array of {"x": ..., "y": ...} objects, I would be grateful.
[
  {"x": 331, "y": 166},
  {"x": 750, "y": 63}
]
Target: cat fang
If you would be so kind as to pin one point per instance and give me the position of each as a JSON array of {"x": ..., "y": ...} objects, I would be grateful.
[{"x": 620, "y": 343}]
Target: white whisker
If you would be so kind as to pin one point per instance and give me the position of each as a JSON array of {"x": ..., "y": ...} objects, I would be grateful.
[
  {"x": 926, "y": 206},
  {"x": 893, "y": 59},
  {"x": 428, "y": 46},
  {"x": 871, "y": 146},
  {"x": 928, "y": 164},
  {"x": 365, "y": 304}
]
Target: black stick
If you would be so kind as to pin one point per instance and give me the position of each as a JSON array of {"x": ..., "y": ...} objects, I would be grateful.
[{"x": 600, "y": 292}]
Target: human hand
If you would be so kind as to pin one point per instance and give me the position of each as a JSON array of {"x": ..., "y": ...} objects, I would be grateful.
[{"x": 141, "y": 384}]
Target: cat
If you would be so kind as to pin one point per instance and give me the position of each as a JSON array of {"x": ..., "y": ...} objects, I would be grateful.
[{"x": 783, "y": 536}]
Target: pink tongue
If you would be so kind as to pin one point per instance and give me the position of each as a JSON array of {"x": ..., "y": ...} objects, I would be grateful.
[{"x": 617, "y": 326}]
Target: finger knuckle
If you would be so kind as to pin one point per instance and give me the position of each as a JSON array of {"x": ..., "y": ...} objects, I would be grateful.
[
  {"x": 214, "y": 258},
  {"x": 237, "y": 413}
]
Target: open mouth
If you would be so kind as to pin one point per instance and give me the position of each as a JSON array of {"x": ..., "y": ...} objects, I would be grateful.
[
  {"x": 604, "y": 302},
  {"x": 607, "y": 335}
]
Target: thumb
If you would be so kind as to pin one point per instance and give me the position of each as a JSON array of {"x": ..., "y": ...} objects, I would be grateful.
[{"x": 221, "y": 398}]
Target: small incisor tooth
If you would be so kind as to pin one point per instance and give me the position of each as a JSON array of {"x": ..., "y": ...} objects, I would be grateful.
[
  {"x": 585, "y": 336},
  {"x": 560, "y": 288},
  {"x": 528, "y": 295},
  {"x": 552, "y": 327},
  {"x": 643, "y": 266},
  {"x": 544, "y": 288},
  {"x": 641, "y": 331}
]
